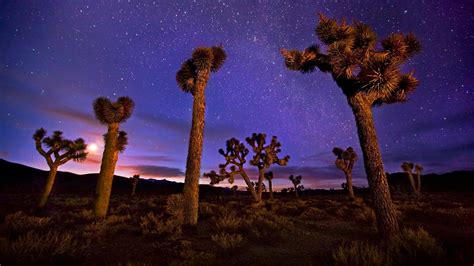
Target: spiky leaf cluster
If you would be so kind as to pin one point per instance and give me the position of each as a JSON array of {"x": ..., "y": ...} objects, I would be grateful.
[
  {"x": 418, "y": 168},
  {"x": 356, "y": 64},
  {"x": 202, "y": 59},
  {"x": 134, "y": 179},
  {"x": 122, "y": 140},
  {"x": 296, "y": 180},
  {"x": 108, "y": 112},
  {"x": 345, "y": 158},
  {"x": 407, "y": 166},
  {"x": 268, "y": 175},
  {"x": 265, "y": 156},
  {"x": 62, "y": 149}
]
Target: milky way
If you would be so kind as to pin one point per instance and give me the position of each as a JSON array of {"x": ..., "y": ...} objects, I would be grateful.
[{"x": 57, "y": 57}]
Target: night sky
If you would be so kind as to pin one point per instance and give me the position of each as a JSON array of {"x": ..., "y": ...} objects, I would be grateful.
[{"x": 56, "y": 57}]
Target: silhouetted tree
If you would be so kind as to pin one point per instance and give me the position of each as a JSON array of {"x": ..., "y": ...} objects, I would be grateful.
[
  {"x": 134, "y": 180},
  {"x": 368, "y": 76},
  {"x": 418, "y": 169},
  {"x": 110, "y": 114},
  {"x": 407, "y": 167},
  {"x": 234, "y": 155},
  {"x": 234, "y": 189},
  {"x": 345, "y": 161},
  {"x": 59, "y": 152},
  {"x": 269, "y": 177},
  {"x": 265, "y": 156},
  {"x": 192, "y": 78},
  {"x": 296, "y": 180}
]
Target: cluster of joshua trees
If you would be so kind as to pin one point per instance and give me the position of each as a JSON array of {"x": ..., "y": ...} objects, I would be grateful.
[{"x": 367, "y": 74}]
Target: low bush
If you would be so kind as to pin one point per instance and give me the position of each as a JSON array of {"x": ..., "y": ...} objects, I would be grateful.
[{"x": 228, "y": 241}]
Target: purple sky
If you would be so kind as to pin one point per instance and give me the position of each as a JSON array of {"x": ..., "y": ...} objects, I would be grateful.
[{"x": 58, "y": 56}]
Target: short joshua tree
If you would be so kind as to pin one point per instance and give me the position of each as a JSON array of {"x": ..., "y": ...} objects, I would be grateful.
[
  {"x": 407, "y": 167},
  {"x": 235, "y": 159},
  {"x": 418, "y": 170},
  {"x": 59, "y": 152},
  {"x": 110, "y": 114},
  {"x": 134, "y": 181},
  {"x": 368, "y": 75},
  {"x": 269, "y": 177},
  {"x": 234, "y": 189},
  {"x": 192, "y": 78},
  {"x": 296, "y": 180},
  {"x": 345, "y": 160}
]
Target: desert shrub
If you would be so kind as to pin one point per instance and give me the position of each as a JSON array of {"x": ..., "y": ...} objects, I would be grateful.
[
  {"x": 358, "y": 253},
  {"x": 228, "y": 222},
  {"x": 410, "y": 247},
  {"x": 40, "y": 248},
  {"x": 291, "y": 208},
  {"x": 205, "y": 210},
  {"x": 111, "y": 225},
  {"x": 365, "y": 214},
  {"x": 82, "y": 216},
  {"x": 313, "y": 213},
  {"x": 228, "y": 241},
  {"x": 19, "y": 223},
  {"x": 185, "y": 254},
  {"x": 175, "y": 205},
  {"x": 416, "y": 247},
  {"x": 156, "y": 225},
  {"x": 267, "y": 226}
]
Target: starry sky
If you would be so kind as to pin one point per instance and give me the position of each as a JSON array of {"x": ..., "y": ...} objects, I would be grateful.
[{"x": 56, "y": 57}]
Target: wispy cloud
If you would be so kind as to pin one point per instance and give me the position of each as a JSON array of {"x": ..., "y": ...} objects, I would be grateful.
[{"x": 152, "y": 170}]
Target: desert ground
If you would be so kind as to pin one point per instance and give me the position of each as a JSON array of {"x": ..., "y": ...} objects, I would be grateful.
[{"x": 310, "y": 230}]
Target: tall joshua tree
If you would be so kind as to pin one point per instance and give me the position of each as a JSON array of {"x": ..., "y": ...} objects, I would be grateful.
[
  {"x": 418, "y": 170},
  {"x": 110, "y": 114},
  {"x": 134, "y": 180},
  {"x": 235, "y": 159},
  {"x": 407, "y": 167},
  {"x": 192, "y": 78},
  {"x": 269, "y": 177},
  {"x": 368, "y": 76},
  {"x": 345, "y": 161},
  {"x": 296, "y": 180},
  {"x": 59, "y": 152}
]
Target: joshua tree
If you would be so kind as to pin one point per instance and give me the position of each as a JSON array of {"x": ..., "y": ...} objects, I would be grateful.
[
  {"x": 234, "y": 155},
  {"x": 296, "y": 180},
  {"x": 192, "y": 78},
  {"x": 418, "y": 169},
  {"x": 265, "y": 156},
  {"x": 345, "y": 161},
  {"x": 110, "y": 114},
  {"x": 407, "y": 167},
  {"x": 234, "y": 189},
  {"x": 368, "y": 76},
  {"x": 63, "y": 151},
  {"x": 269, "y": 177},
  {"x": 134, "y": 180}
]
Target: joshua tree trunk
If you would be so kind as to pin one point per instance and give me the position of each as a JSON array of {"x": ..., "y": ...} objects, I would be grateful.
[
  {"x": 384, "y": 210},
  {"x": 249, "y": 185},
  {"x": 133, "y": 189},
  {"x": 412, "y": 182},
  {"x": 261, "y": 177},
  {"x": 418, "y": 178},
  {"x": 49, "y": 185},
  {"x": 350, "y": 189},
  {"x": 107, "y": 169},
  {"x": 193, "y": 163},
  {"x": 296, "y": 190},
  {"x": 270, "y": 188}
]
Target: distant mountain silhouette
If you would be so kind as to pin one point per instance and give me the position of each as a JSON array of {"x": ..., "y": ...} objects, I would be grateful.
[{"x": 18, "y": 178}]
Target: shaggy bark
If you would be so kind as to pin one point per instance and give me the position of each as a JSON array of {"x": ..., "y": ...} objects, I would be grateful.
[
  {"x": 261, "y": 177},
  {"x": 193, "y": 163},
  {"x": 107, "y": 168},
  {"x": 386, "y": 216},
  {"x": 49, "y": 186},
  {"x": 250, "y": 186},
  {"x": 412, "y": 182},
  {"x": 418, "y": 178}
]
